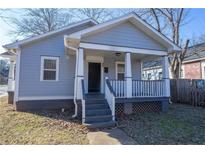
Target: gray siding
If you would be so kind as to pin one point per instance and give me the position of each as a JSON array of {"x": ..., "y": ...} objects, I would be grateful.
[
  {"x": 30, "y": 84},
  {"x": 111, "y": 62},
  {"x": 125, "y": 34}
]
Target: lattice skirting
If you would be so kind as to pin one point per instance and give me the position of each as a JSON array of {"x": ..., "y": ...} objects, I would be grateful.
[
  {"x": 146, "y": 107},
  {"x": 119, "y": 109},
  {"x": 139, "y": 107}
]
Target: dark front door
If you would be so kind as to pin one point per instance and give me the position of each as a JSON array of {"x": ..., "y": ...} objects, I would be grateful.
[{"x": 94, "y": 74}]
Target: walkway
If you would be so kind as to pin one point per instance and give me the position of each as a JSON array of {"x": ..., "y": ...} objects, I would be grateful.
[{"x": 113, "y": 136}]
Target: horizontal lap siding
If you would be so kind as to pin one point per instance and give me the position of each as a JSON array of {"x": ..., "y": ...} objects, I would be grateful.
[
  {"x": 30, "y": 84},
  {"x": 110, "y": 63},
  {"x": 125, "y": 34}
]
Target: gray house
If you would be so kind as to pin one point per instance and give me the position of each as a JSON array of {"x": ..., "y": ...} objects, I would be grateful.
[{"x": 96, "y": 68}]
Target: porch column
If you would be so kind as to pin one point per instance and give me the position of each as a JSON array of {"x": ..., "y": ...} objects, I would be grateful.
[
  {"x": 166, "y": 76},
  {"x": 80, "y": 72},
  {"x": 166, "y": 83},
  {"x": 128, "y": 75},
  {"x": 11, "y": 77}
]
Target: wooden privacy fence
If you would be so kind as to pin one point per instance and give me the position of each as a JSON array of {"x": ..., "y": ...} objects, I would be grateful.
[{"x": 187, "y": 91}]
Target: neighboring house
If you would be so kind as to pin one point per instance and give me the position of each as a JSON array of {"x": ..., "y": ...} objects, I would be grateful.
[
  {"x": 96, "y": 67},
  {"x": 194, "y": 64},
  {"x": 152, "y": 70},
  {"x": 4, "y": 70}
]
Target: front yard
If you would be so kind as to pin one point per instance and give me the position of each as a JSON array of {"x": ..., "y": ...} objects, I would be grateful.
[
  {"x": 181, "y": 125},
  {"x": 38, "y": 128}
]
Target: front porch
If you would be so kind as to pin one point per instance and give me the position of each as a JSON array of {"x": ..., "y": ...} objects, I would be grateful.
[
  {"x": 116, "y": 77},
  {"x": 120, "y": 46}
]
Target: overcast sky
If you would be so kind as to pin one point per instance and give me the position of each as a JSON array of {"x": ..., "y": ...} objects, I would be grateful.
[{"x": 195, "y": 27}]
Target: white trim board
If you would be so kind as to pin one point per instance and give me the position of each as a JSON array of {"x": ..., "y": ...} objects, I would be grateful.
[
  {"x": 193, "y": 60},
  {"x": 202, "y": 69},
  {"x": 27, "y": 98},
  {"x": 121, "y": 49},
  {"x": 17, "y": 76}
]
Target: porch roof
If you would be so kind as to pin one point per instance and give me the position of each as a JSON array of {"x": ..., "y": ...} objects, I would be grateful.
[{"x": 8, "y": 54}]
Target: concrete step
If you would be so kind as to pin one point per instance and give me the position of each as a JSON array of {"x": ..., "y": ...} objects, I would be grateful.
[
  {"x": 101, "y": 124},
  {"x": 96, "y": 106},
  {"x": 96, "y": 112},
  {"x": 96, "y": 119}
]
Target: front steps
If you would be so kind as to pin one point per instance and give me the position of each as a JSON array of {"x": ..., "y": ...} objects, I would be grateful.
[{"x": 97, "y": 112}]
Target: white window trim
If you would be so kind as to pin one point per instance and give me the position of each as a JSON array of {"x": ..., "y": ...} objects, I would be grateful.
[
  {"x": 42, "y": 67},
  {"x": 116, "y": 68},
  {"x": 202, "y": 69}
]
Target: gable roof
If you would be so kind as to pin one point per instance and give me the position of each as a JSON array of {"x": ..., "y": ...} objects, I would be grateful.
[
  {"x": 195, "y": 53},
  {"x": 16, "y": 45},
  {"x": 152, "y": 64},
  {"x": 9, "y": 55},
  {"x": 132, "y": 17}
]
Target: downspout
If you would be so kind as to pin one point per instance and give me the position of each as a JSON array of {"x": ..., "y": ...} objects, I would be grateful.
[{"x": 75, "y": 89}]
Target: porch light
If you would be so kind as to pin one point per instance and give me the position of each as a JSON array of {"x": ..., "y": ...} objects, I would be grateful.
[{"x": 117, "y": 54}]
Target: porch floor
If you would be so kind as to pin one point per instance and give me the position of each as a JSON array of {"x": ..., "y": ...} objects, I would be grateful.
[{"x": 99, "y": 96}]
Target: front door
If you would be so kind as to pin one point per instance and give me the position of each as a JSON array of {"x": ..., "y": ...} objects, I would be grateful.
[{"x": 94, "y": 74}]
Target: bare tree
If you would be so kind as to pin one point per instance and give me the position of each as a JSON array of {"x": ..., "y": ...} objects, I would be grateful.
[
  {"x": 173, "y": 20},
  {"x": 3, "y": 13},
  {"x": 39, "y": 21},
  {"x": 98, "y": 14},
  {"x": 169, "y": 22}
]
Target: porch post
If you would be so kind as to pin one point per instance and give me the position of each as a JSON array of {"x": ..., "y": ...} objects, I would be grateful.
[
  {"x": 11, "y": 82},
  {"x": 128, "y": 75},
  {"x": 166, "y": 76},
  {"x": 80, "y": 71},
  {"x": 11, "y": 77},
  {"x": 166, "y": 83}
]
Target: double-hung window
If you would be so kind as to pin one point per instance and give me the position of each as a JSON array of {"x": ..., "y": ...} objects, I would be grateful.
[
  {"x": 120, "y": 70},
  {"x": 49, "y": 68}
]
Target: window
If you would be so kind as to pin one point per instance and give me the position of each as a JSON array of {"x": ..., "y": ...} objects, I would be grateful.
[
  {"x": 120, "y": 70},
  {"x": 160, "y": 75},
  {"x": 49, "y": 68},
  {"x": 149, "y": 76}
]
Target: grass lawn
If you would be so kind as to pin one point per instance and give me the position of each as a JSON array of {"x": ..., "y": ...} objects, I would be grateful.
[
  {"x": 39, "y": 127},
  {"x": 181, "y": 125}
]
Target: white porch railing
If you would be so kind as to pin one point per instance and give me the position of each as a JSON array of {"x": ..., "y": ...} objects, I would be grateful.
[
  {"x": 118, "y": 87},
  {"x": 148, "y": 88},
  {"x": 140, "y": 88},
  {"x": 110, "y": 97}
]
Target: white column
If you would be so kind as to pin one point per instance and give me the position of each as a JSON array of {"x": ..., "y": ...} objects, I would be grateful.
[
  {"x": 80, "y": 72},
  {"x": 166, "y": 76},
  {"x": 128, "y": 75},
  {"x": 11, "y": 76}
]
